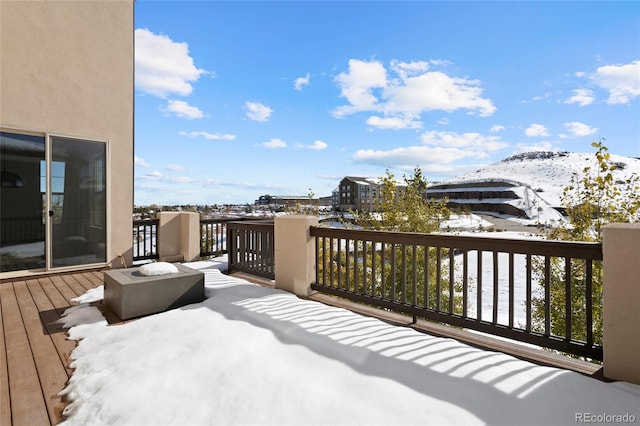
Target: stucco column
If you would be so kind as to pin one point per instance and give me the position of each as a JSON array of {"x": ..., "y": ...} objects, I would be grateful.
[
  {"x": 294, "y": 253},
  {"x": 190, "y": 238},
  {"x": 169, "y": 237},
  {"x": 178, "y": 236},
  {"x": 621, "y": 301}
]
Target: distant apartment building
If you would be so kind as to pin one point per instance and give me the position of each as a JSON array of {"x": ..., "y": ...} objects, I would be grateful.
[
  {"x": 494, "y": 196},
  {"x": 359, "y": 193}
]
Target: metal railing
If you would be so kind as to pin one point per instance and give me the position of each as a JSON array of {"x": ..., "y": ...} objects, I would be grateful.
[
  {"x": 250, "y": 246},
  {"x": 145, "y": 239},
  {"x": 497, "y": 286}
]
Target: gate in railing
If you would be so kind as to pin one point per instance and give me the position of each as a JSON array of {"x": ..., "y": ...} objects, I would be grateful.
[
  {"x": 250, "y": 246},
  {"x": 493, "y": 285},
  {"x": 145, "y": 239}
]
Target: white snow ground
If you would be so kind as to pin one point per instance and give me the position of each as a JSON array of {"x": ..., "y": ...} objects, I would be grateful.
[{"x": 258, "y": 356}]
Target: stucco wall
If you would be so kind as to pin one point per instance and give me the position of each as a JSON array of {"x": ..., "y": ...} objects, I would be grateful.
[{"x": 66, "y": 67}]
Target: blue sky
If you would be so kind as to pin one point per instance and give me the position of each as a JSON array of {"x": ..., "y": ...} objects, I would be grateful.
[{"x": 239, "y": 99}]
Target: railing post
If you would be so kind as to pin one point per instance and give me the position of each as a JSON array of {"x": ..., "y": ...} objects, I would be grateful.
[
  {"x": 190, "y": 236},
  {"x": 294, "y": 253},
  {"x": 621, "y": 299},
  {"x": 178, "y": 236}
]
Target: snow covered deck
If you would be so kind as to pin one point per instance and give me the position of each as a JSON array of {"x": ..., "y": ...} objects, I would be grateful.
[{"x": 255, "y": 355}]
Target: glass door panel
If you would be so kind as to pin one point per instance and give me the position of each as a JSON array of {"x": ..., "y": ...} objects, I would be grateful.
[
  {"x": 78, "y": 202},
  {"x": 22, "y": 221}
]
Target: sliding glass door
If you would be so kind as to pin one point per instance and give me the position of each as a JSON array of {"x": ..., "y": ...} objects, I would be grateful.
[
  {"x": 77, "y": 202},
  {"x": 53, "y": 202}
]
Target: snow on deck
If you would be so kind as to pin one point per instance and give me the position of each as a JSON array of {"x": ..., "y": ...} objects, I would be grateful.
[{"x": 254, "y": 355}]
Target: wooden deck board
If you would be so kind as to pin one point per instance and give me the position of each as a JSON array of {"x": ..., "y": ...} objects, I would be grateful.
[
  {"x": 27, "y": 401},
  {"x": 34, "y": 350},
  {"x": 5, "y": 405},
  {"x": 49, "y": 366},
  {"x": 49, "y": 317}
]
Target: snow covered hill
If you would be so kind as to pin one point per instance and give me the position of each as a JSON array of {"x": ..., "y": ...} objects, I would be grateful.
[{"x": 538, "y": 178}]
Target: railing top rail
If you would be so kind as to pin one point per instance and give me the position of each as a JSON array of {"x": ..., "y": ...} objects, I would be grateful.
[
  {"x": 573, "y": 249},
  {"x": 231, "y": 219},
  {"x": 264, "y": 225},
  {"x": 145, "y": 221}
]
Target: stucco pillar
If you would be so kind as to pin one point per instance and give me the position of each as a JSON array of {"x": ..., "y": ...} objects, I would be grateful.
[
  {"x": 169, "y": 237},
  {"x": 178, "y": 236},
  {"x": 190, "y": 238},
  {"x": 294, "y": 253},
  {"x": 621, "y": 301}
]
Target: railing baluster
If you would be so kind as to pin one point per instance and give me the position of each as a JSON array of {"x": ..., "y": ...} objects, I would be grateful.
[
  {"x": 317, "y": 272},
  {"x": 567, "y": 297},
  {"x": 393, "y": 272},
  {"x": 529, "y": 267},
  {"x": 452, "y": 278},
  {"x": 383, "y": 272},
  {"x": 373, "y": 268},
  {"x": 415, "y": 275},
  {"x": 465, "y": 282},
  {"x": 438, "y": 279},
  {"x": 364, "y": 265},
  {"x": 511, "y": 291},
  {"x": 589, "y": 302},
  {"x": 496, "y": 278},
  {"x": 331, "y": 262},
  {"x": 426, "y": 277},
  {"x": 339, "y": 262},
  {"x": 356, "y": 262},
  {"x": 324, "y": 259},
  {"x": 547, "y": 295},
  {"x": 479, "y": 289},
  {"x": 348, "y": 256},
  {"x": 404, "y": 273}
]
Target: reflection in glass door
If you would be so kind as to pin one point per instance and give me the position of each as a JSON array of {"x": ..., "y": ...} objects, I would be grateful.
[
  {"x": 77, "y": 204},
  {"x": 22, "y": 224}
]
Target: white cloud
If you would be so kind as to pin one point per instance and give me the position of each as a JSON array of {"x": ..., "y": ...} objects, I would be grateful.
[
  {"x": 301, "y": 81},
  {"x": 582, "y": 97},
  {"x": 580, "y": 129},
  {"x": 257, "y": 111},
  {"x": 411, "y": 156},
  {"x": 138, "y": 161},
  {"x": 274, "y": 143},
  {"x": 357, "y": 86},
  {"x": 621, "y": 81},
  {"x": 393, "y": 122},
  {"x": 162, "y": 66},
  {"x": 444, "y": 121},
  {"x": 475, "y": 142},
  {"x": 174, "y": 167},
  {"x": 408, "y": 69},
  {"x": 182, "y": 109},
  {"x": 496, "y": 128},
  {"x": 317, "y": 145},
  {"x": 536, "y": 130},
  {"x": 182, "y": 179},
  {"x": 437, "y": 149},
  {"x": 208, "y": 136},
  {"x": 411, "y": 90},
  {"x": 542, "y": 97},
  {"x": 154, "y": 175},
  {"x": 539, "y": 146}
]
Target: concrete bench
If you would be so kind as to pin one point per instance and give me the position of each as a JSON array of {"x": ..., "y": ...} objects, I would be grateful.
[{"x": 130, "y": 294}]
